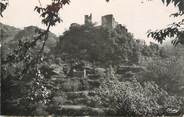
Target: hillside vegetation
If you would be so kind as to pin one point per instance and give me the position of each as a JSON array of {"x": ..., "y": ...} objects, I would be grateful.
[{"x": 90, "y": 70}]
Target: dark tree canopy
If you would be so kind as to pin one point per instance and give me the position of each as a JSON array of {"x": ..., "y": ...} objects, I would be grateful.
[{"x": 98, "y": 45}]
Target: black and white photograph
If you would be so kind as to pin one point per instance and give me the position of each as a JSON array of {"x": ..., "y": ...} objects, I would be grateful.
[{"x": 106, "y": 58}]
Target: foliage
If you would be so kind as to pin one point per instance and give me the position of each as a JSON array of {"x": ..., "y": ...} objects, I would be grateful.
[
  {"x": 50, "y": 14},
  {"x": 32, "y": 91},
  {"x": 3, "y": 6},
  {"x": 24, "y": 71},
  {"x": 77, "y": 42},
  {"x": 98, "y": 45},
  {"x": 150, "y": 51},
  {"x": 128, "y": 48},
  {"x": 134, "y": 99},
  {"x": 168, "y": 73},
  {"x": 174, "y": 30},
  {"x": 178, "y": 3}
]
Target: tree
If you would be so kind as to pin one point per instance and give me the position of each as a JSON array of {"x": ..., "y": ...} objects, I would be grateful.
[
  {"x": 168, "y": 73},
  {"x": 175, "y": 30},
  {"x": 132, "y": 98},
  {"x": 24, "y": 71},
  {"x": 89, "y": 44},
  {"x": 99, "y": 45}
]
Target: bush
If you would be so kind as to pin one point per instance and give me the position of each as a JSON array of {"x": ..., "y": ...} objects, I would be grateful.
[
  {"x": 132, "y": 98},
  {"x": 167, "y": 73},
  {"x": 55, "y": 104}
]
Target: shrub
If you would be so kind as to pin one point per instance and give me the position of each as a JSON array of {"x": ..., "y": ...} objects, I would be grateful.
[
  {"x": 167, "y": 73},
  {"x": 55, "y": 104},
  {"x": 132, "y": 98}
]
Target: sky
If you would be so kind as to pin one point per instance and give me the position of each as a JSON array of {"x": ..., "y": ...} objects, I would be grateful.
[{"x": 137, "y": 15}]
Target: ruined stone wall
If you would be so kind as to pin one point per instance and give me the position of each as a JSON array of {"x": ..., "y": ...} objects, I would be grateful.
[
  {"x": 88, "y": 19},
  {"x": 141, "y": 42},
  {"x": 108, "y": 21}
]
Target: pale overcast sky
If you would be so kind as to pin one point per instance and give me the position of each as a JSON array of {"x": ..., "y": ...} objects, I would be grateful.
[{"x": 137, "y": 15}]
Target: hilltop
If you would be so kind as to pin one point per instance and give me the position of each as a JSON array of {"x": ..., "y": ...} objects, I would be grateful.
[
  {"x": 109, "y": 43},
  {"x": 10, "y": 36}
]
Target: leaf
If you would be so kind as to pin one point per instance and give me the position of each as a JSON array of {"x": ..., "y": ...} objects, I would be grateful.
[
  {"x": 65, "y": 1},
  {"x": 176, "y": 2},
  {"x": 168, "y": 2},
  {"x": 43, "y": 14},
  {"x": 38, "y": 10},
  {"x": 35, "y": 8},
  {"x": 163, "y": 1}
]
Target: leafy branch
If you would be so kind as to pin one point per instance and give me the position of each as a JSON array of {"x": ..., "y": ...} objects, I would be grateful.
[
  {"x": 28, "y": 61},
  {"x": 3, "y": 6},
  {"x": 174, "y": 30}
]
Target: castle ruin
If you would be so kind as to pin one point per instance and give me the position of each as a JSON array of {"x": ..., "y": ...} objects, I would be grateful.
[
  {"x": 108, "y": 21},
  {"x": 88, "y": 19}
]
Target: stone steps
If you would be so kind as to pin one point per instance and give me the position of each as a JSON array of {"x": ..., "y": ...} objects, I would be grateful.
[
  {"x": 76, "y": 83},
  {"x": 83, "y": 101},
  {"x": 78, "y": 95},
  {"x": 81, "y": 110}
]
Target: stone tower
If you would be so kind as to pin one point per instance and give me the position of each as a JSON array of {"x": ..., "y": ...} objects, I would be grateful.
[
  {"x": 108, "y": 21},
  {"x": 88, "y": 19}
]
